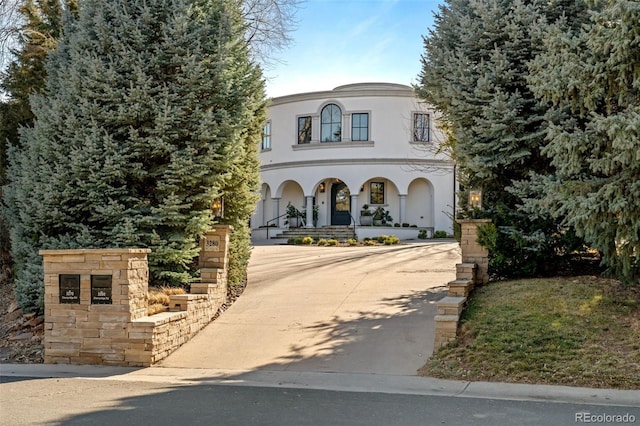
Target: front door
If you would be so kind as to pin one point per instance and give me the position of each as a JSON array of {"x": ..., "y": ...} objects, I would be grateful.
[{"x": 340, "y": 204}]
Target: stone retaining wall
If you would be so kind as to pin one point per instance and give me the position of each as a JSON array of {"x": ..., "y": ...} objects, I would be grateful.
[
  {"x": 90, "y": 322},
  {"x": 471, "y": 272}
]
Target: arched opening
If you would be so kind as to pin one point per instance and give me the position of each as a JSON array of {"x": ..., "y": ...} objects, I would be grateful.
[
  {"x": 420, "y": 203},
  {"x": 340, "y": 204}
]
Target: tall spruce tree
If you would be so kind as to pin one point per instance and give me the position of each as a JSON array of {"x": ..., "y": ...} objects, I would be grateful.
[
  {"x": 147, "y": 117},
  {"x": 38, "y": 24},
  {"x": 592, "y": 77},
  {"x": 474, "y": 71}
]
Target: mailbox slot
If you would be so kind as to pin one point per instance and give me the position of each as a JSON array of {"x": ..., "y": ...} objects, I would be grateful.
[
  {"x": 69, "y": 288},
  {"x": 101, "y": 289}
]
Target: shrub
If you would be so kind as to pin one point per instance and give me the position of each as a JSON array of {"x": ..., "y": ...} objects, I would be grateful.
[
  {"x": 381, "y": 238},
  {"x": 155, "y": 308},
  {"x": 322, "y": 242},
  {"x": 405, "y": 225},
  {"x": 422, "y": 234},
  {"x": 369, "y": 242},
  {"x": 440, "y": 234},
  {"x": 396, "y": 225},
  {"x": 158, "y": 298},
  {"x": 390, "y": 240},
  {"x": 352, "y": 242},
  {"x": 307, "y": 240},
  {"x": 332, "y": 242}
]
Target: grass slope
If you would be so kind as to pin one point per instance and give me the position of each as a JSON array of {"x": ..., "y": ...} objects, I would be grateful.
[{"x": 579, "y": 331}]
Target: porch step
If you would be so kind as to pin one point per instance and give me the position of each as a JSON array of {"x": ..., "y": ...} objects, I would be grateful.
[{"x": 340, "y": 233}]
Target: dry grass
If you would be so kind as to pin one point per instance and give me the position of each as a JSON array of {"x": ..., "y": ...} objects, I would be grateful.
[
  {"x": 580, "y": 331},
  {"x": 158, "y": 298}
]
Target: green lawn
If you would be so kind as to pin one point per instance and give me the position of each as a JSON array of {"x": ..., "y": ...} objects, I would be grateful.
[{"x": 578, "y": 331}]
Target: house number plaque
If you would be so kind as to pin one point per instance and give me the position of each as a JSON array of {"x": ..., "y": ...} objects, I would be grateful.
[
  {"x": 211, "y": 245},
  {"x": 69, "y": 288},
  {"x": 101, "y": 289}
]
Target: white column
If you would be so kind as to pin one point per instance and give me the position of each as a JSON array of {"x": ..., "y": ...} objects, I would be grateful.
[
  {"x": 315, "y": 129},
  {"x": 354, "y": 207},
  {"x": 276, "y": 210},
  {"x": 309, "y": 212},
  {"x": 401, "y": 214},
  {"x": 346, "y": 128}
]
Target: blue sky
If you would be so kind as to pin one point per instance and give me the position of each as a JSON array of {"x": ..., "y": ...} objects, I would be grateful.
[{"x": 351, "y": 41}]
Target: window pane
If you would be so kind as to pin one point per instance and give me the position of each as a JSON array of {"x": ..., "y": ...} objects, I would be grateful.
[
  {"x": 377, "y": 193},
  {"x": 360, "y": 127},
  {"x": 331, "y": 124},
  {"x": 266, "y": 136},
  {"x": 335, "y": 114},
  {"x": 326, "y": 132},
  {"x": 421, "y": 127},
  {"x": 304, "y": 129},
  {"x": 343, "y": 200},
  {"x": 336, "y": 131}
]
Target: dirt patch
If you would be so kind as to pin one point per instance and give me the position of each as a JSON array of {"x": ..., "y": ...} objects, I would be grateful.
[{"x": 21, "y": 335}]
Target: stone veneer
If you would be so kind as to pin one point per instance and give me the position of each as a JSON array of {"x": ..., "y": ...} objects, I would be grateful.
[
  {"x": 474, "y": 270},
  {"x": 120, "y": 333}
]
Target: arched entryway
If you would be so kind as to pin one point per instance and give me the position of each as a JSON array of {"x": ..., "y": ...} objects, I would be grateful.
[{"x": 340, "y": 204}]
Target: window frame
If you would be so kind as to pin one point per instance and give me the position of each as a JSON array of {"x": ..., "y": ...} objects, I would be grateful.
[
  {"x": 307, "y": 132},
  {"x": 334, "y": 126},
  {"x": 360, "y": 127},
  {"x": 420, "y": 132},
  {"x": 266, "y": 136},
  {"x": 380, "y": 191}
]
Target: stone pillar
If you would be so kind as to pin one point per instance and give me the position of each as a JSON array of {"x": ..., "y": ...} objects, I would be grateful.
[
  {"x": 91, "y": 296},
  {"x": 213, "y": 263},
  {"x": 354, "y": 207},
  {"x": 472, "y": 251},
  {"x": 309, "y": 217},
  {"x": 402, "y": 198},
  {"x": 214, "y": 247},
  {"x": 276, "y": 210}
]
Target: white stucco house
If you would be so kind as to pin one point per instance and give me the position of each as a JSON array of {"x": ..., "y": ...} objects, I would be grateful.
[{"x": 361, "y": 144}]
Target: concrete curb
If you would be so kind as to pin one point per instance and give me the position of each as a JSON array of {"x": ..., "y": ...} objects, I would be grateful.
[{"x": 379, "y": 383}]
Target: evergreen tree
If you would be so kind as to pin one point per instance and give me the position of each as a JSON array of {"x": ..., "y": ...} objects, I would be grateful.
[
  {"x": 474, "y": 70},
  {"x": 592, "y": 77},
  {"x": 146, "y": 116},
  {"x": 24, "y": 77}
]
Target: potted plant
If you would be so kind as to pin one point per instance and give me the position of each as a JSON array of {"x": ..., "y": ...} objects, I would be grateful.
[
  {"x": 381, "y": 216},
  {"x": 366, "y": 216},
  {"x": 294, "y": 216}
]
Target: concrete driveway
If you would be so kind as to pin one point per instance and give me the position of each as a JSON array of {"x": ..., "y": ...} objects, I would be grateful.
[{"x": 329, "y": 309}]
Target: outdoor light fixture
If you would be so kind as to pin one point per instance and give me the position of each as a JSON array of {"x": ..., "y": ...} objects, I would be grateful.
[
  {"x": 218, "y": 207},
  {"x": 321, "y": 187},
  {"x": 475, "y": 198}
]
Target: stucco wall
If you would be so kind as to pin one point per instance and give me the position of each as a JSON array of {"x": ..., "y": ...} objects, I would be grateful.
[{"x": 411, "y": 170}]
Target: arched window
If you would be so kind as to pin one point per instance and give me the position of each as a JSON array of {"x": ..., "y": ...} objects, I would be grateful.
[{"x": 331, "y": 124}]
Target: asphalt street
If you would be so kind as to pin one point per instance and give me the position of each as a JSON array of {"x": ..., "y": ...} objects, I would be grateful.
[{"x": 111, "y": 402}]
